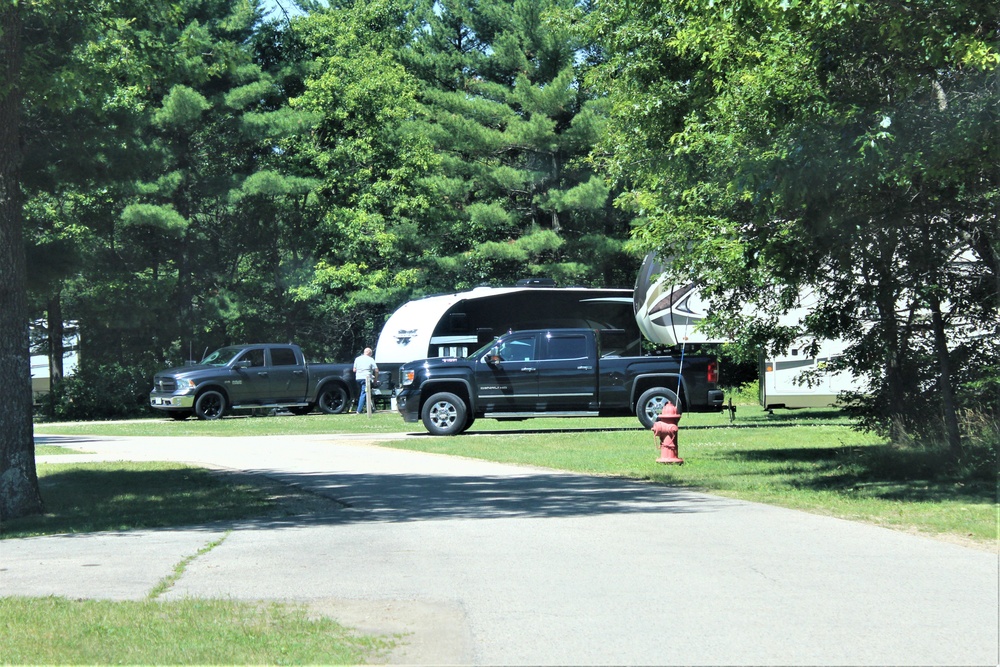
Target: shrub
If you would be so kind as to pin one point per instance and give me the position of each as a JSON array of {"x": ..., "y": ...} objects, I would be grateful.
[{"x": 101, "y": 391}]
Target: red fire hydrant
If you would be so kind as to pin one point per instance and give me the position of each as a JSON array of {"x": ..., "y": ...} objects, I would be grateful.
[{"x": 665, "y": 430}]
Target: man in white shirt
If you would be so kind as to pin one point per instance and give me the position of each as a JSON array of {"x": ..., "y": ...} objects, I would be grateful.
[{"x": 364, "y": 369}]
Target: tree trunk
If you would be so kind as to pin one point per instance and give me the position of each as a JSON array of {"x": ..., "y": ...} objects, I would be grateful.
[
  {"x": 57, "y": 350},
  {"x": 57, "y": 333},
  {"x": 19, "y": 494},
  {"x": 944, "y": 369}
]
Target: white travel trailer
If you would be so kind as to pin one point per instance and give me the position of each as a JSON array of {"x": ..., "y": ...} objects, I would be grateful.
[
  {"x": 457, "y": 324},
  {"x": 781, "y": 384},
  {"x": 670, "y": 314}
]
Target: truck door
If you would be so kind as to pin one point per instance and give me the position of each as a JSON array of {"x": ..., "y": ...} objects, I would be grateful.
[
  {"x": 510, "y": 384},
  {"x": 287, "y": 374},
  {"x": 567, "y": 373},
  {"x": 251, "y": 384}
]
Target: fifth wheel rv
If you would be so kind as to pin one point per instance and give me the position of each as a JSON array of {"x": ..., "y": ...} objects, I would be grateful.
[
  {"x": 456, "y": 324},
  {"x": 669, "y": 314}
]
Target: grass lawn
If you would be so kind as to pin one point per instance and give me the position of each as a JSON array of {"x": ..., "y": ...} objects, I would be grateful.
[
  {"x": 88, "y": 497},
  {"x": 57, "y": 631}
]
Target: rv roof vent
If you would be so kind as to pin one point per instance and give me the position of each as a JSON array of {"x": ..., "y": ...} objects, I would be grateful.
[{"x": 536, "y": 282}]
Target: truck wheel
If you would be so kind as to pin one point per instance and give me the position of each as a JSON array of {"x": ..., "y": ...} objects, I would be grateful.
[
  {"x": 651, "y": 404},
  {"x": 444, "y": 414},
  {"x": 332, "y": 399},
  {"x": 210, "y": 405},
  {"x": 179, "y": 415}
]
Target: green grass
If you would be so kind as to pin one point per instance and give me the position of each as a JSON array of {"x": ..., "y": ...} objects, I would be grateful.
[
  {"x": 193, "y": 631},
  {"x": 51, "y": 450},
  {"x": 237, "y": 426},
  {"x": 87, "y": 497},
  {"x": 391, "y": 422}
]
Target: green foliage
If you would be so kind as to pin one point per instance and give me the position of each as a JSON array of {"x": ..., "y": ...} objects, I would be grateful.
[
  {"x": 163, "y": 219},
  {"x": 463, "y": 132},
  {"x": 299, "y": 178},
  {"x": 104, "y": 391},
  {"x": 843, "y": 151},
  {"x": 182, "y": 108}
]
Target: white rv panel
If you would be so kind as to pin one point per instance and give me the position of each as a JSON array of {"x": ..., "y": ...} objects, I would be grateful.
[
  {"x": 670, "y": 314},
  {"x": 782, "y": 379}
]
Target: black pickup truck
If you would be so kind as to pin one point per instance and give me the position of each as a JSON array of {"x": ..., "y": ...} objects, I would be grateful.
[
  {"x": 552, "y": 373},
  {"x": 244, "y": 377}
]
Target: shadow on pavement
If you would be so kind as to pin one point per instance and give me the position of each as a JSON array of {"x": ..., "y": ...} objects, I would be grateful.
[{"x": 373, "y": 497}]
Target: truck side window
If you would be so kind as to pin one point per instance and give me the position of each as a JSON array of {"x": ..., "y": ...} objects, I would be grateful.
[
  {"x": 283, "y": 356},
  {"x": 567, "y": 347},
  {"x": 518, "y": 349},
  {"x": 255, "y": 357}
]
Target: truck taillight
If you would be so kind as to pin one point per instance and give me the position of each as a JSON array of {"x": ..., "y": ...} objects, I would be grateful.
[{"x": 713, "y": 371}]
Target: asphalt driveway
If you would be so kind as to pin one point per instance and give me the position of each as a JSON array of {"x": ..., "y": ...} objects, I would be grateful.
[{"x": 492, "y": 564}]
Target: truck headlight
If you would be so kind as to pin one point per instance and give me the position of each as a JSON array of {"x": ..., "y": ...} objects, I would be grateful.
[
  {"x": 406, "y": 377},
  {"x": 183, "y": 385}
]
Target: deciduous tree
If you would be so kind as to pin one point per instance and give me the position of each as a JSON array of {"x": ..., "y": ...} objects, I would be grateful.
[{"x": 848, "y": 149}]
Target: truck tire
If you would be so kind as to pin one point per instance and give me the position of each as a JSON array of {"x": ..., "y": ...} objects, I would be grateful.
[
  {"x": 210, "y": 405},
  {"x": 332, "y": 399},
  {"x": 651, "y": 404},
  {"x": 444, "y": 414}
]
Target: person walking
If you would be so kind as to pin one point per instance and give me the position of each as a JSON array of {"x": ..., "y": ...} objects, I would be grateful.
[{"x": 364, "y": 369}]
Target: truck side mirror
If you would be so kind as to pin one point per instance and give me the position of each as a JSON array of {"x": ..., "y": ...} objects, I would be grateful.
[
  {"x": 492, "y": 357},
  {"x": 242, "y": 363}
]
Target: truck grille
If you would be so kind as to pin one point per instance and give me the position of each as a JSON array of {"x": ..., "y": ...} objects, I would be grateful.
[{"x": 164, "y": 384}]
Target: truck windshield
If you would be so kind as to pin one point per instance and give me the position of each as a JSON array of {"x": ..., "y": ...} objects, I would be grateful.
[{"x": 222, "y": 356}]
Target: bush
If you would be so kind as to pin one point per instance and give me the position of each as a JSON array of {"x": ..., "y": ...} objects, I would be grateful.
[
  {"x": 745, "y": 394},
  {"x": 980, "y": 455},
  {"x": 101, "y": 391}
]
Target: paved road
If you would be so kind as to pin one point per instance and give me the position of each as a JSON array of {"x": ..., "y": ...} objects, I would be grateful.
[{"x": 492, "y": 564}]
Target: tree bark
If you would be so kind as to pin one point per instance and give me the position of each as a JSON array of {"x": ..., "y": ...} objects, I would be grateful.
[
  {"x": 19, "y": 493},
  {"x": 944, "y": 369},
  {"x": 57, "y": 350}
]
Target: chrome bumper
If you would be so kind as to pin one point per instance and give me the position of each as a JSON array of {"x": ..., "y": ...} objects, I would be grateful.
[{"x": 168, "y": 401}]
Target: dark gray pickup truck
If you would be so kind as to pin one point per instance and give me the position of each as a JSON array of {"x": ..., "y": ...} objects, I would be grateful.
[
  {"x": 244, "y": 377},
  {"x": 552, "y": 373}
]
